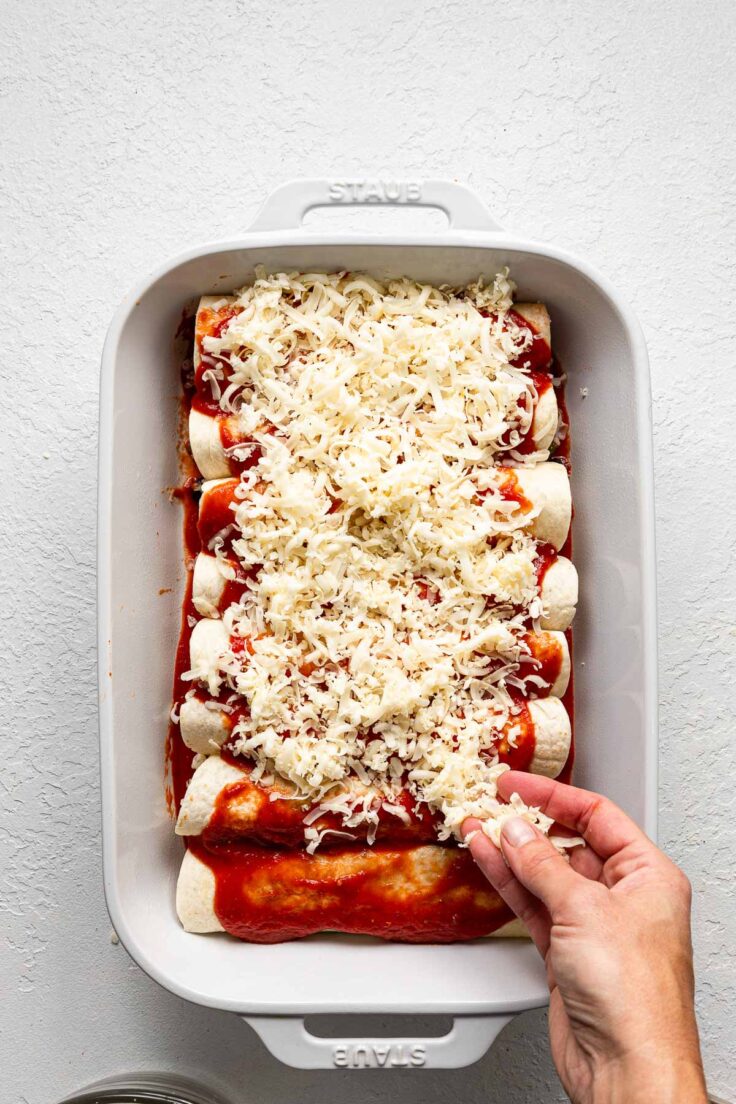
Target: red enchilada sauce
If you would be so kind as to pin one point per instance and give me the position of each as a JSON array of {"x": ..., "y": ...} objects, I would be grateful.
[
  {"x": 545, "y": 660},
  {"x": 546, "y": 556},
  {"x": 271, "y": 893},
  {"x": 215, "y": 513},
  {"x": 203, "y": 403},
  {"x": 234, "y": 589},
  {"x": 519, "y": 754},
  {"x": 510, "y": 490}
]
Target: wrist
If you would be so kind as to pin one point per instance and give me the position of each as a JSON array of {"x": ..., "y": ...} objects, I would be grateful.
[{"x": 651, "y": 1075}]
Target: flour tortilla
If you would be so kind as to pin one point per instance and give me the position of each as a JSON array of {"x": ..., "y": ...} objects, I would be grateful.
[
  {"x": 203, "y": 730},
  {"x": 207, "y": 782},
  {"x": 206, "y": 445},
  {"x": 243, "y": 809},
  {"x": 538, "y": 316},
  {"x": 547, "y": 486},
  {"x": 195, "y": 902},
  {"x": 208, "y": 645},
  {"x": 195, "y": 896},
  {"x": 552, "y": 736},
  {"x": 559, "y": 594},
  {"x": 545, "y": 420},
  {"x": 208, "y": 585},
  {"x": 545, "y": 642},
  {"x": 222, "y": 514},
  {"x": 546, "y": 411},
  {"x": 204, "y": 429},
  {"x": 303, "y": 884},
  {"x": 212, "y": 461},
  {"x": 559, "y": 590},
  {"x": 207, "y": 302}
]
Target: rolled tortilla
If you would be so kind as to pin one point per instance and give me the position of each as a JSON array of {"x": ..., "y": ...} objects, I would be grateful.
[
  {"x": 547, "y": 669},
  {"x": 210, "y": 436},
  {"x": 537, "y": 315},
  {"x": 195, "y": 902},
  {"x": 553, "y": 735},
  {"x": 547, "y": 487},
  {"x": 543, "y": 662},
  {"x": 269, "y": 813},
  {"x": 545, "y": 419},
  {"x": 215, "y": 513},
  {"x": 209, "y": 652},
  {"x": 209, "y": 583},
  {"x": 203, "y": 730},
  {"x": 210, "y": 312},
  {"x": 208, "y": 450},
  {"x": 205, "y": 429},
  {"x": 559, "y": 594},
  {"x": 210, "y": 456},
  {"x": 546, "y": 411},
  {"x": 205, "y": 787},
  {"x": 206, "y": 444},
  {"x": 558, "y": 590},
  {"x": 422, "y": 894},
  {"x": 195, "y": 896}
]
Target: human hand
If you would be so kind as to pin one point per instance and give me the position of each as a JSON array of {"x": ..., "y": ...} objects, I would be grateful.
[{"x": 613, "y": 927}]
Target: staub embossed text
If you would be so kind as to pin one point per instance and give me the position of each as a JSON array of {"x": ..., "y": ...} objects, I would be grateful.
[
  {"x": 375, "y": 191},
  {"x": 378, "y": 1055}
]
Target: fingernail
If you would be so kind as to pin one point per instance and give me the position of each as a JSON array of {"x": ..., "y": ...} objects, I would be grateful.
[{"x": 517, "y": 831}]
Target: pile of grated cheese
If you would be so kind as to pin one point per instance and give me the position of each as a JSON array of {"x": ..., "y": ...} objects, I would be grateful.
[{"x": 393, "y": 573}]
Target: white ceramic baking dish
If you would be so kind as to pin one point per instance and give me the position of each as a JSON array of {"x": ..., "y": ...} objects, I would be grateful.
[{"x": 599, "y": 342}]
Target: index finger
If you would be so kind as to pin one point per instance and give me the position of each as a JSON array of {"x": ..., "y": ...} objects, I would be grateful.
[{"x": 601, "y": 823}]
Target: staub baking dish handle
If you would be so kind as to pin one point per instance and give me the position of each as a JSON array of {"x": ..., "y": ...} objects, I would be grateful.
[
  {"x": 288, "y": 1040},
  {"x": 287, "y": 205}
]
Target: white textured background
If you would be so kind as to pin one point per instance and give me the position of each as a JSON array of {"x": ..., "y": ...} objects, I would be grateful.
[{"x": 131, "y": 131}]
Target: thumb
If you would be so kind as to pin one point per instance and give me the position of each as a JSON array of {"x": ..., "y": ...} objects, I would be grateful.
[{"x": 536, "y": 864}]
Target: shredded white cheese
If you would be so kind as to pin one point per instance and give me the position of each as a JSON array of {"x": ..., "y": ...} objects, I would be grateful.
[{"x": 396, "y": 581}]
